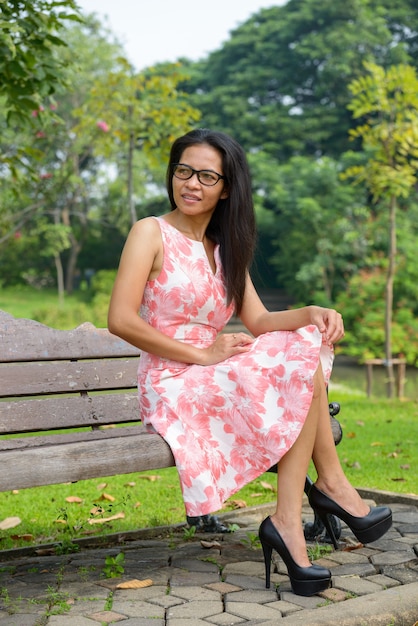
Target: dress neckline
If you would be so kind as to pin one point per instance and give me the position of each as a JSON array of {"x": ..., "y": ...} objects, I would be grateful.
[{"x": 201, "y": 243}]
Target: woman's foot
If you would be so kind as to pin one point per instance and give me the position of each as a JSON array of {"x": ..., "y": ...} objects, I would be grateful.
[
  {"x": 367, "y": 528},
  {"x": 344, "y": 494},
  {"x": 292, "y": 534},
  {"x": 305, "y": 581}
]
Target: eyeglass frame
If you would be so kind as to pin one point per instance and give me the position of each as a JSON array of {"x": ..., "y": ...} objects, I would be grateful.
[{"x": 197, "y": 172}]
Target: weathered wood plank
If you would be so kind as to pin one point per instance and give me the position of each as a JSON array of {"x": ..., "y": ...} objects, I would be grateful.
[
  {"x": 70, "y": 462},
  {"x": 31, "y": 379},
  {"x": 40, "y": 440},
  {"x": 75, "y": 412},
  {"x": 38, "y": 341}
]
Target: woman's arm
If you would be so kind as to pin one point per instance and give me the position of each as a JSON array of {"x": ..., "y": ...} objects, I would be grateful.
[
  {"x": 259, "y": 320},
  {"x": 141, "y": 261}
]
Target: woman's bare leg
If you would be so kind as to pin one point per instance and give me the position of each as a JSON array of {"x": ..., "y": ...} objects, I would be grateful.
[
  {"x": 331, "y": 478},
  {"x": 291, "y": 475},
  {"x": 315, "y": 441}
]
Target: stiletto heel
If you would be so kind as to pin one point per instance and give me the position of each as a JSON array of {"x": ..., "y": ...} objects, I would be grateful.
[
  {"x": 305, "y": 581},
  {"x": 367, "y": 529}
]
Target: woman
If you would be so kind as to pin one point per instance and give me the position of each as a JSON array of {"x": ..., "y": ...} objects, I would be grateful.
[{"x": 231, "y": 405}]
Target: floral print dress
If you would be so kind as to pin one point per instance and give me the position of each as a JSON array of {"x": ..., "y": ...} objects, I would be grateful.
[{"x": 230, "y": 422}]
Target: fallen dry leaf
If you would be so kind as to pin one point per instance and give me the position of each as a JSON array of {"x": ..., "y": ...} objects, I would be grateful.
[
  {"x": 238, "y": 504},
  {"x": 74, "y": 499},
  {"x": 60, "y": 521},
  {"x": 392, "y": 455},
  {"x": 266, "y": 485},
  {"x": 137, "y": 505},
  {"x": 131, "y": 484},
  {"x": 101, "y": 486},
  {"x": 360, "y": 423},
  {"x": 15, "y": 492},
  {"x": 405, "y": 467},
  {"x": 376, "y": 443},
  {"x": 256, "y": 495},
  {"x": 10, "y": 522},
  {"x": 151, "y": 477},
  {"x": 350, "y": 435},
  {"x": 27, "y": 537},
  {"x": 104, "y": 520},
  {"x": 96, "y": 510},
  {"x": 135, "y": 584},
  {"x": 107, "y": 496}
]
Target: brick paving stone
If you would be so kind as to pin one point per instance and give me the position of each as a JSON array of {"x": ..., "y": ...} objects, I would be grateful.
[
  {"x": 384, "y": 581},
  {"x": 139, "y": 609},
  {"x": 356, "y": 585},
  {"x": 285, "y": 608},
  {"x": 261, "y": 597},
  {"x": 247, "y": 568},
  {"x": 247, "y": 582},
  {"x": 62, "y": 620},
  {"x": 181, "y": 621},
  {"x": 393, "y": 558},
  {"x": 194, "y": 565},
  {"x": 250, "y": 610},
  {"x": 195, "y": 593},
  {"x": 403, "y": 574},
  {"x": 200, "y": 609},
  {"x": 333, "y": 595},
  {"x": 344, "y": 558},
  {"x": 184, "y": 578},
  {"x": 223, "y": 587},
  {"x": 311, "y": 602},
  {"x": 226, "y": 619},
  {"x": 353, "y": 569},
  {"x": 166, "y": 601},
  {"x": 107, "y": 617}
]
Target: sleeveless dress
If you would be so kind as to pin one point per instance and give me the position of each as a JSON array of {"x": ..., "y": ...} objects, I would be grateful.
[{"x": 230, "y": 422}]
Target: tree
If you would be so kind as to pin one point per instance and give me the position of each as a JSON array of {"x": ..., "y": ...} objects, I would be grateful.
[
  {"x": 387, "y": 103},
  {"x": 279, "y": 84},
  {"x": 30, "y": 69},
  {"x": 148, "y": 111}
]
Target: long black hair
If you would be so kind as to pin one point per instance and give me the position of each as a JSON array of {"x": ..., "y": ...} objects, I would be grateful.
[{"x": 232, "y": 225}]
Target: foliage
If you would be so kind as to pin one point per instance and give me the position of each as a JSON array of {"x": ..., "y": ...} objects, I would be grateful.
[
  {"x": 316, "y": 223},
  {"x": 364, "y": 320},
  {"x": 280, "y": 83},
  {"x": 387, "y": 102},
  {"x": 30, "y": 70}
]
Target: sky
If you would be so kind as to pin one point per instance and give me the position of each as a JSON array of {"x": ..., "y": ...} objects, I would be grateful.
[{"x": 154, "y": 31}]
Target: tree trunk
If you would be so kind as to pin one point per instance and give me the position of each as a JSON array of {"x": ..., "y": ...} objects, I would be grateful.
[
  {"x": 389, "y": 297},
  {"x": 60, "y": 278},
  {"x": 131, "y": 203}
]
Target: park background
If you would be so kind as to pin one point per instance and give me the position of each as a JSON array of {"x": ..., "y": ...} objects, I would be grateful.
[{"x": 324, "y": 99}]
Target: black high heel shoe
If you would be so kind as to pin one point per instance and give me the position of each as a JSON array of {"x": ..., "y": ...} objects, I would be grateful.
[
  {"x": 305, "y": 581},
  {"x": 367, "y": 529}
]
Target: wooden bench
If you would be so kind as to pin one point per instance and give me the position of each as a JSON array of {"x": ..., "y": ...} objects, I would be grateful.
[
  {"x": 61, "y": 380},
  {"x": 55, "y": 381}
]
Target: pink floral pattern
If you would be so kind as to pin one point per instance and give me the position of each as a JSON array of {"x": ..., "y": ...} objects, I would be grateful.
[{"x": 226, "y": 423}]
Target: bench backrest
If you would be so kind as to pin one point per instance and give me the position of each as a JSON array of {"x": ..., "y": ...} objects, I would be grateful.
[{"x": 58, "y": 379}]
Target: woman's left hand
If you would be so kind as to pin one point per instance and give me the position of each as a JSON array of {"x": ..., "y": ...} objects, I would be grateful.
[{"x": 329, "y": 322}]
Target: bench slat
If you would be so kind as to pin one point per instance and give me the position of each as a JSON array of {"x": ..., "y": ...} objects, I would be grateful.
[
  {"x": 37, "y": 341},
  {"x": 73, "y": 461},
  {"x": 75, "y": 412},
  {"x": 32, "y": 379}
]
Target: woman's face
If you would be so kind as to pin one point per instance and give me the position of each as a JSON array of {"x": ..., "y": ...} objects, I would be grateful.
[{"x": 191, "y": 196}]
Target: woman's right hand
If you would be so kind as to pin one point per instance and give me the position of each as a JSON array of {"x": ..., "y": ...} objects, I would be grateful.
[{"x": 226, "y": 345}]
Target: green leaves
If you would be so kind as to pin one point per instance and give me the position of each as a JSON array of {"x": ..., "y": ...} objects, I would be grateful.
[{"x": 29, "y": 67}]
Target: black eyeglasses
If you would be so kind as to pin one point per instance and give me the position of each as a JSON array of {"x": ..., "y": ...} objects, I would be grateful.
[{"x": 206, "y": 177}]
